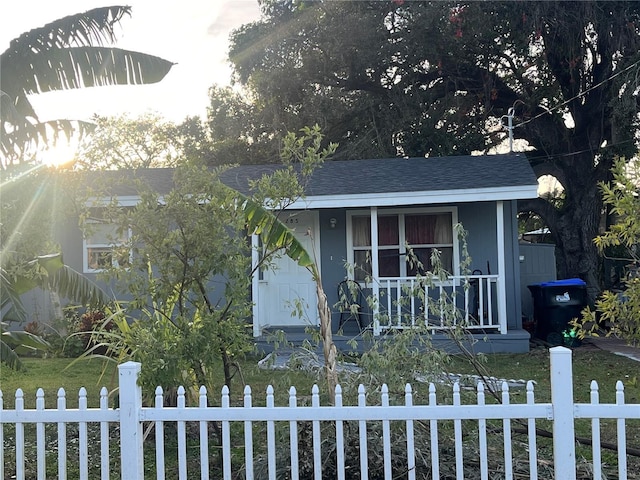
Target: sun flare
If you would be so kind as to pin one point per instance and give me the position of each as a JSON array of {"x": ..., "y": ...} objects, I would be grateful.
[{"x": 58, "y": 155}]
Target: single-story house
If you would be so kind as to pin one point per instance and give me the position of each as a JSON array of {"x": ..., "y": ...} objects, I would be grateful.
[{"x": 364, "y": 215}]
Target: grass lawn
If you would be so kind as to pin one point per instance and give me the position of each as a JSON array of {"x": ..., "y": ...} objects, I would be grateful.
[{"x": 589, "y": 363}]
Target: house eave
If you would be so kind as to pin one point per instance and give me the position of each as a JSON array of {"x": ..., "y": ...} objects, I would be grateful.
[{"x": 394, "y": 199}]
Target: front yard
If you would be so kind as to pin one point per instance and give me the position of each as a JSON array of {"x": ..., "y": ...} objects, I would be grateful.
[{"x": 589, "y": 363}]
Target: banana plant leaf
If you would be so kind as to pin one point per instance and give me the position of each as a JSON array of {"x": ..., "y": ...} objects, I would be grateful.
[
  {"x": 53, "y": 275},
  {"x": 274, "y": 233}
]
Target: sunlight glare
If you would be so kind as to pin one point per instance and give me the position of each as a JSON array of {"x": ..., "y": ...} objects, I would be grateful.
[{"x": 58, "y": 155}]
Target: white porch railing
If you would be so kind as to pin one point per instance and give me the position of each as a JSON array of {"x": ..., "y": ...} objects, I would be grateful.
[
  {"x": 297, "y": 435},
  {"x": 474, "y": 296}
]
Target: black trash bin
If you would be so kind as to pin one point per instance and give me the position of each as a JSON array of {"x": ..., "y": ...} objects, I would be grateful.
[{"x": 555, "y": 304}]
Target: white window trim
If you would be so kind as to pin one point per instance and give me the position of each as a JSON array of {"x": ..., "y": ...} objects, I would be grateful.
[
  {"x": 86, "y": 246},
  {"x": 453, "y": 210}
]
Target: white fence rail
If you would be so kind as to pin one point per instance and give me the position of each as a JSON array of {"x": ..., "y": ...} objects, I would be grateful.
[{"x": 296, "y": 436}]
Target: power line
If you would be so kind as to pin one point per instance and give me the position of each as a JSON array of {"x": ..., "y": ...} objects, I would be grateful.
[{"x": 581, "y": 94}]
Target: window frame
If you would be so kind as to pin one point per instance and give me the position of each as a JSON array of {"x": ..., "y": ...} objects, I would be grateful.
[
  {"x": 401, "y": 213},
  {"x": 103, "y": 246}
]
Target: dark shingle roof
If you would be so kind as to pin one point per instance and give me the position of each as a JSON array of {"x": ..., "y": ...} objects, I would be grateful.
[
  {"x": 383, "y": 177},
  {"x": 395, "y": 175}
]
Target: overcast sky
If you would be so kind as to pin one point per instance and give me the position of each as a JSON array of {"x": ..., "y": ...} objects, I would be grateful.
[{"x": 191, "y": 33}]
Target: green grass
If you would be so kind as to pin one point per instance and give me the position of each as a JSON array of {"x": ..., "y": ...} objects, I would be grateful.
[
  {"x": 589, "y": 363},
  {"x": 50, "y": 374}
]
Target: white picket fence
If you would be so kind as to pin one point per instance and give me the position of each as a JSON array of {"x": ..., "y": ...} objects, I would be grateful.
[{"x": 295, "y": 433}]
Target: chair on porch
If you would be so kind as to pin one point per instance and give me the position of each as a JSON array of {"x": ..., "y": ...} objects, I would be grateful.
[{"x": 350, "y": 303}]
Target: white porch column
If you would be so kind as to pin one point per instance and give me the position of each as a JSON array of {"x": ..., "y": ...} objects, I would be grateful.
[
  {"x": 502, "y": 283},
  {"x": 375, "y": 270},
  {"x": 255, "y": 295}
]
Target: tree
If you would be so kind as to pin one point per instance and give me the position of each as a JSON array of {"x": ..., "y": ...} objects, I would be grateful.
[
  {"x": 620, "y": 311},
  {"x": 435, "y": 78},
  {"x": 190, "y": 276},
  {"x": 121, "y": 142},
  {"x": 65, "y": 54},
  {"x": 147, "y": 141}
]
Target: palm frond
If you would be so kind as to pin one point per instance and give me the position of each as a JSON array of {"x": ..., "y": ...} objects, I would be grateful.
[
  {"x": 75, "y": 286},
  {"x": 93, "y": 27},
  {"x": 10, "y": 303},
  {"x": 9, "y": 358},
  {"x": 21, "y": 341},
  {"x": 79, "y": 67},
  {"x": 65, "y": 54},
  {"x": 40, "y": 133}
]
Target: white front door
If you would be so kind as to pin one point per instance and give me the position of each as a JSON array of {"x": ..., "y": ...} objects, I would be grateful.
[{"x": 287, "y": 287}]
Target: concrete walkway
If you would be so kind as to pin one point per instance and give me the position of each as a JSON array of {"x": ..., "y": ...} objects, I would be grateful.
[{"x": 616, "y": 346}]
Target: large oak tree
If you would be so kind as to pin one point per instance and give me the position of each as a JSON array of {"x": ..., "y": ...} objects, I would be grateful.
[{"x": 387, "y": 78}]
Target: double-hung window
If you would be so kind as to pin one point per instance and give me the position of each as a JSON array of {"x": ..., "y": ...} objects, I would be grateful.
[
  {"x": 105, "y": 246},
  {"x": 406, "y": 240}
]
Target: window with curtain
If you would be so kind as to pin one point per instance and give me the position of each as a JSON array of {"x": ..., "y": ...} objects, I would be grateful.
[
  {"x": 397, "y": 234},
  {"x": 105, "y": 247}
]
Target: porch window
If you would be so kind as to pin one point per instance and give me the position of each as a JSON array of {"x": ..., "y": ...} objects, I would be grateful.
[
  {"x": 105, "y": 246},
  {"x": 397, "y": 234}
]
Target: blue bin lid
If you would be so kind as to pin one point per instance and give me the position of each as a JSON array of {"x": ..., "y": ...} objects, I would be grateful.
[{"x": 563, "y": 283}]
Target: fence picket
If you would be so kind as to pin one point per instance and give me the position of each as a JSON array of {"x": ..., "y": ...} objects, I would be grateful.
[
  {"x": 159, "y": 427},
  {"x": 386, "y": 434},
  {"x": 317, "y": 445},
  {"x": 104, "y": 436},
  {"x": 40, "y": 437},
  {"x": 248, "y": 437},
  {"x": 339, "y": 436},
  {"x": 411, "y": 453},
  {"x": 204, "y": 436},
  {"x": 622, "y": 438},
  {"x": 226, "y": 436},
  {"x": 482, "y": 435},
  {"x": 433, "y": 433},
  {"x": 19, "y": 437},
  {"x": 62, "y": 437},
  {"x": 457, "y": 435},
  {"x": 362, "y": 431},
  {"x": 182, "y": 437},
  {"x": 271, "y": 437},
  {"x": 595, "y": 434},
  {"x": 506, "y": 434},
  {"x": 531, "y": 427},
  {"x": 82, "y": 436},
  {"x": 293, "y": 436}
]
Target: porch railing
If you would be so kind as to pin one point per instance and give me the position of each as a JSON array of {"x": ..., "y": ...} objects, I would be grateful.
[{"x": 401, "y": 303}]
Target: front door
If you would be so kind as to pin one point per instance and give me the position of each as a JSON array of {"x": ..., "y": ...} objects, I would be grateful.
[{"x": 288, "y": 288}]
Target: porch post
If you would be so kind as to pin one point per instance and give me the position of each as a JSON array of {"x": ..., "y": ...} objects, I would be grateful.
[
  {"x": 502, "y": 284},
  {"x": 255, "y": 295},
  {"x": 375, "y": 270}
]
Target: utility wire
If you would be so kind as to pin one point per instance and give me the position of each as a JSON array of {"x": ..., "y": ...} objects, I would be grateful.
[{"x": 581, "y": 94}]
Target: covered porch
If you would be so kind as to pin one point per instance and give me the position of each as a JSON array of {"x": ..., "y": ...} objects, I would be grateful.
[{"x": 475, "y": 300}]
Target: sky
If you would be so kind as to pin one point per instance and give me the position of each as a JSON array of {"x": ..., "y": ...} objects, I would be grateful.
[{"x": 191, "y": 33}]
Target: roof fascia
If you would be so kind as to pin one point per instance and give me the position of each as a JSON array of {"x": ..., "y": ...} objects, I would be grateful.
[{"x": 392, "y": 199}]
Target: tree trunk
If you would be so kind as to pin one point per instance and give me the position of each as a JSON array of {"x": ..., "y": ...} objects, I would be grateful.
[
  {"x": 328, "y": 347},
  {"x": 577, "y": 223}
]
